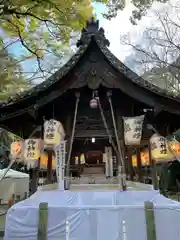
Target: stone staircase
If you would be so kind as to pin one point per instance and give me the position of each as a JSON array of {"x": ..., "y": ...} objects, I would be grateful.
[
  {"x": 94, "y": 179},
  {"x": 93, "y": 175}
]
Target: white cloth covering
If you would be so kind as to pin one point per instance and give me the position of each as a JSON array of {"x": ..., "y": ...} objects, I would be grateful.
[{"x": 94, "y": 216}]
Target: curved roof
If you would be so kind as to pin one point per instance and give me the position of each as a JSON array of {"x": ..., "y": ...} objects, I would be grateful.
[{"x": 89, "y": 34}]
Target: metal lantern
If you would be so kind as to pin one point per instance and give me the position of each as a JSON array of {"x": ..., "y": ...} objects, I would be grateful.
[{"x": 93, "y": 103}]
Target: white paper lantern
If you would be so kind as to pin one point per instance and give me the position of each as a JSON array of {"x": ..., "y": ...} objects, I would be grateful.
[
  {"x": 32, "y": 152},
  {"x": 133, "y": 130},
  {"x": 159, "y": 147},
  {"x": 53, "y": 133},
  {"x": 16, "y": 152}
]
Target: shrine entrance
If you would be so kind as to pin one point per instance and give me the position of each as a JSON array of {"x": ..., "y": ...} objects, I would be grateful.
[
  {"x": 89, "y": 157},
  {"x": 94, "y": 158},
  {"x": 69, "y": 97}
]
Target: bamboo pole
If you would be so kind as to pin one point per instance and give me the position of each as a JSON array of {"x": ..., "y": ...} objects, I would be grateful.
[
  {"x": 150, "y": 221},
  {"x": 43, "y": 222}
]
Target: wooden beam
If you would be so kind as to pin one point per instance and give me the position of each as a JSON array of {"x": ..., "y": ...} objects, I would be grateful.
[
  {"x": 144, "y": 142},
  {"x": 91, "y": 133}
]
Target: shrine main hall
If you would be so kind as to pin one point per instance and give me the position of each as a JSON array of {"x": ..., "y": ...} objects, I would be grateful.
[{"x": 91, "y": 95}]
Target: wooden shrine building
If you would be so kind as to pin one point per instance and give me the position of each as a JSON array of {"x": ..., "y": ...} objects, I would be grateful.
[{"x": 92, "y": 68}]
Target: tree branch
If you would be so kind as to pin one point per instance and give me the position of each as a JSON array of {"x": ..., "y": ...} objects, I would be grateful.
[{"x": 25, "y": 45}]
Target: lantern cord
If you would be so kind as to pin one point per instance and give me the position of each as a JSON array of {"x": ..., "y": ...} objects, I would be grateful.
[
  {"x": 123, "y": 184},
  {"x": 116, "y": 134},
  {"x": 72, "y": 136},
  {"x": 121, "y": 169},
  {"x": 106, "y": 126},
  {"x": 38, "y": 128}
]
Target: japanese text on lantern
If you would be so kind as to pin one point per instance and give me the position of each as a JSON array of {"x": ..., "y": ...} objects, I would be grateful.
[
  {"x": 133, "y": 129},
  {"x": 162, "y": 145},
  {"x": 159, "y": 143},
  {"x": 53, "y": 132},
  {"x": 32, "y": 149},
  {"x": 159, "y": 148},
  {"x": 137, "y": 128}
]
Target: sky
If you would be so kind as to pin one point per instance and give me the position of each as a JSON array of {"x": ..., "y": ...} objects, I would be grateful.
[{"x": 121, "y": 25}]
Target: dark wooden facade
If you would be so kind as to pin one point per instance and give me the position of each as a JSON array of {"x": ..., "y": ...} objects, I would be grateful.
[{"x": 92, "y": 67}]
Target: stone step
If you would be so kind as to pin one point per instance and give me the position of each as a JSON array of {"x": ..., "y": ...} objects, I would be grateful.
[
  {"x": 93, "y": 170},
  {"x": 94, "y": 187},
  {"x": 93, "y": 179},
  {"x": 131, "y": 186}
]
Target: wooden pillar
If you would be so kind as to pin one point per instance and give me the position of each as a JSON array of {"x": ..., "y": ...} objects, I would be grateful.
[
  {"x": 130, "y": 166},
  {"x": 33, "y": 174},
  {"x": 139, "y": 165},
  {"x": 49, "y": 166},
  {"x": 153, "y": 169},
  {"x": 68, "y": 128},
  {"x": 120, "y": 129}
]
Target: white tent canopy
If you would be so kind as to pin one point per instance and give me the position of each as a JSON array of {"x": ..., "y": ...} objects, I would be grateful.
[
  {"x": 15, "y": 182},
  {"x": 13, "y": 174}
]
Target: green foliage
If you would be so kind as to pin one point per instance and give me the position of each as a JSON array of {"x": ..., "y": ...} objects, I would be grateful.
[
  {"x": 11, "y": 79},
  {"x": 36, "y": 23},
  {"x": 5, "y": 141},
  {"x": 6, "y": 138}
]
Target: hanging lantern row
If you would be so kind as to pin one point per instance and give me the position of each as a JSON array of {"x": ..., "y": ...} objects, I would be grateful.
[
  {"x": 30, "y": 150},
  {"x": 144, "y": 159},
  {"x": 161, "y": 151}
]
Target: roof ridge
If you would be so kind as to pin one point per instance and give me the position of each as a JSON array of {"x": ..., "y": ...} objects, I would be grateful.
[{"x": 130, "y": 74}]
